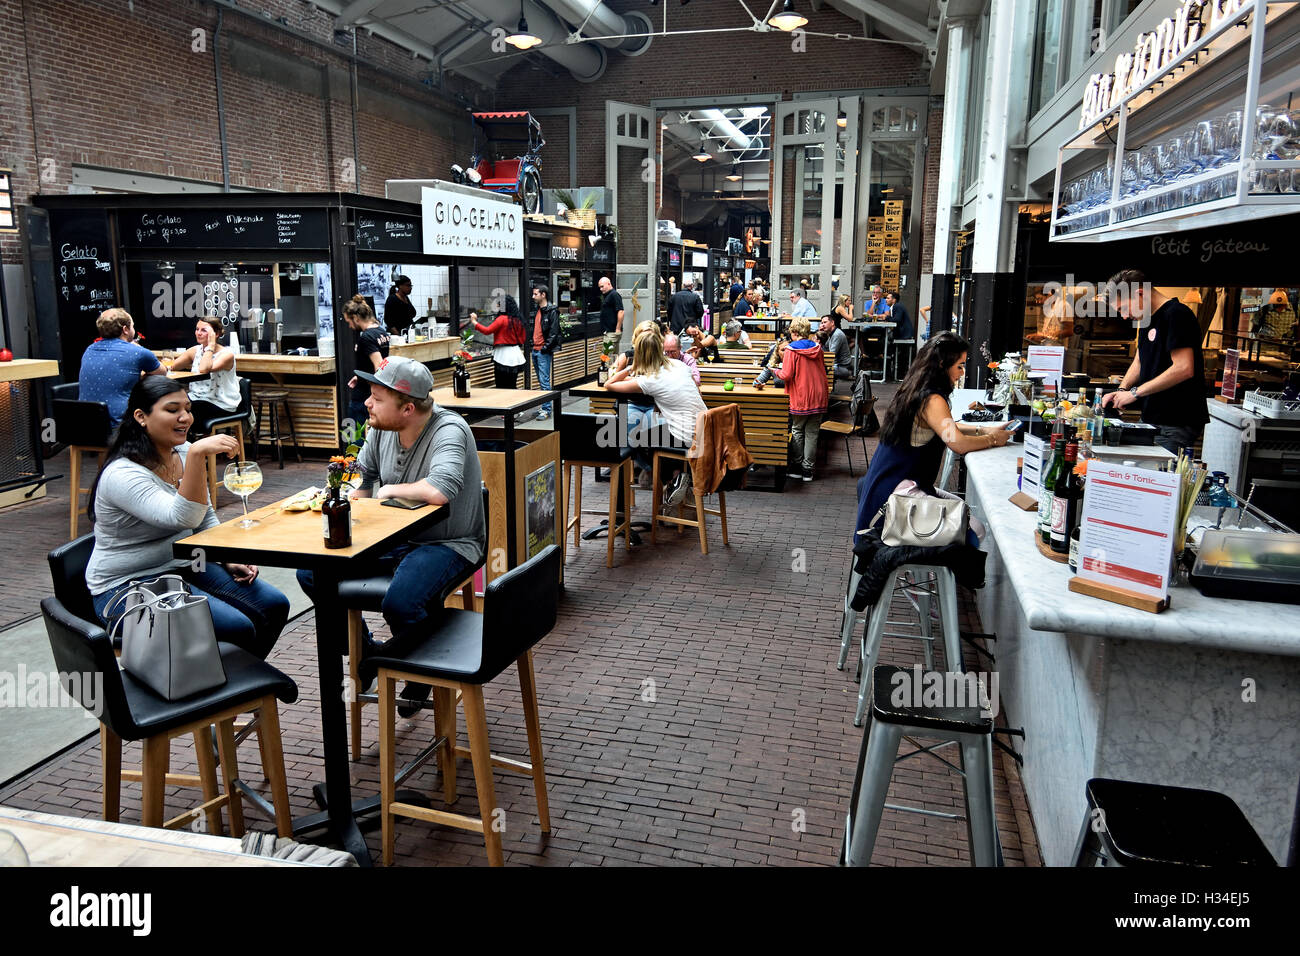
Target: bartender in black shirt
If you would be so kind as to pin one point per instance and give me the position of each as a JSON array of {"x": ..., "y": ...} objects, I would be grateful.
[
  {"x": 1168, "y": 372},
  {"x": 399, "y": 312}
]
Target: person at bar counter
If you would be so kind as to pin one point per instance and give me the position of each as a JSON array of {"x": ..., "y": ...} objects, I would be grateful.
[
  {"x": 684, "y": 308},
  {"x": 421, "y": 451},
  {"x": 844, "y": 309},
  {"x": 508, "y": 339},
  {"x": 919, "y": 424},
  {"x": 399, "y": 311},
  {"x": 218, "y": 394},
  {"x": 742, "y": 308},
  {"x": 1168, "y": 372},
  {"x": 370, "y": 350},
  {"x": 876, "y": 305},
  {"x": 151, "y": 492},
  {"x": 835, "y": 341},
  {"x": 113, "y": 364},
  {"x": 546, "y": 342}
]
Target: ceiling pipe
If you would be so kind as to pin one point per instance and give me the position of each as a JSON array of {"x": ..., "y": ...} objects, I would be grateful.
[
  {"x": 586, "y": 61},
  {"x": 596, "y": 20},
  {"x": 732, "y": 131}
]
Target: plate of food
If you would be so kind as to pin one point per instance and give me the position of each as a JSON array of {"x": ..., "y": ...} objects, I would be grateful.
[{"x": 307, "y": 500}]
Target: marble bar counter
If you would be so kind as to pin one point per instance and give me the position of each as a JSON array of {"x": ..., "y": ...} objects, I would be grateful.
[{"x": 1206, "y": 694}]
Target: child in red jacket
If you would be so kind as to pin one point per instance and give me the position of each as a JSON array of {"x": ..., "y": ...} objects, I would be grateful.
[{"x": 804, "y": 374}]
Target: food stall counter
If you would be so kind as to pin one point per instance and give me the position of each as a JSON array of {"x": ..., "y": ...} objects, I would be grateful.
[
  {"x": 426, "y": 350},
  {"x": 1106, "y": 690}
]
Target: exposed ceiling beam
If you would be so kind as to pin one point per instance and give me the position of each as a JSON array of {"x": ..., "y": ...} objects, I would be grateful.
[
  {"x": 893, "y": 21},
  {"x": 354, "y": 12}
]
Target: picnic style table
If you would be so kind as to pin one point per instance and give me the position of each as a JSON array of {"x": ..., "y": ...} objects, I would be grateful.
[{"x": 285, "y": 539}]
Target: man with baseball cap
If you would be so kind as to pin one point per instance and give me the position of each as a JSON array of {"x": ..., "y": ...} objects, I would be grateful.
[{"x": 421, "y": 451}]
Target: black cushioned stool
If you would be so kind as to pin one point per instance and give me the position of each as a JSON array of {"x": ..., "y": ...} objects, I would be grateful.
[
  {"x": 890, "y": 724},
  {"x": 367, "y": 594},
  {"x": 1146, "y": 824},
  {"x": 580, "y": 448},
  {"x": 465, "y": 652}
]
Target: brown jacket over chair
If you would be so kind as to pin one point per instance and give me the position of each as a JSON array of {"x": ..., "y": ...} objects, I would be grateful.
[{"x": 719, "y": 447}]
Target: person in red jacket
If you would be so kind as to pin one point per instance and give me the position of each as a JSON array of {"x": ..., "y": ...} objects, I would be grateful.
[
  {"x": 804, "y": 374},
  {"x": 509, "y": 336}
]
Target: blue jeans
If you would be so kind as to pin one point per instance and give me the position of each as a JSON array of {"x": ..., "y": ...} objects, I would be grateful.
[
  {"x": 422, "y": 574},
  {"x": 250, "y": 616},
  {"x": 542, "y": 363}
]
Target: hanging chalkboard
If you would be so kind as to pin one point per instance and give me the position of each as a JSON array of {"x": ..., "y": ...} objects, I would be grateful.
[
  {"x": 85, "y": 277},
  {"x": 389, "y": 233},
  {"x": 224, "y": 228}
]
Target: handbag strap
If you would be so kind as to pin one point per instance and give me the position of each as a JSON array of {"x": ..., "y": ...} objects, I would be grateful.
[{"x": 911, "y": 513}]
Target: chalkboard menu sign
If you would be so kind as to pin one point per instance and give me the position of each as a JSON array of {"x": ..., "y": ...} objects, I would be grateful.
[
  {"x": 601, "y": 253},
  {"x": 389, "y": 233},
  {"x": 85, "y": 277},
  {"x": 224, "y": 228}
]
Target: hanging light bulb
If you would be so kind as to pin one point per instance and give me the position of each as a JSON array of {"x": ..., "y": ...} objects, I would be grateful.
[
  {"x": 734, "y": 175},
  {"x": 702, "y": 154},
  {"x": 788, "y": 19},
  {"x": 166, "y": 269},
  {"x": 522, "y": 39},
  {"x": 842, "y": 121}
]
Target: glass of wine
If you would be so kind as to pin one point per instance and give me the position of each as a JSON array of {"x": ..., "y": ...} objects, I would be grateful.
[{"x": 243, "y": 478}]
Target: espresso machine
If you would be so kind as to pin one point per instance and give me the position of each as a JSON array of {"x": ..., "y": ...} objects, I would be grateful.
[
  {"x": 275, "y": 321},
  {"x": 250, "y": 330}
]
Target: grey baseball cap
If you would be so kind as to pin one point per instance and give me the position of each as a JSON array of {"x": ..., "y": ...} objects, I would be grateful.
[{"x": 401, "y": 375}]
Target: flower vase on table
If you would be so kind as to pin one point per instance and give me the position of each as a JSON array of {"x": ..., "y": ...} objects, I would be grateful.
[{"x": 336, "y": 510}]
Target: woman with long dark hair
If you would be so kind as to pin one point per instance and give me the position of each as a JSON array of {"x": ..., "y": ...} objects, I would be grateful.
[
  {"x": 919, "y": 424},
  {"x": 509, "y": 336},
  {"x": 152, "y": 491}
]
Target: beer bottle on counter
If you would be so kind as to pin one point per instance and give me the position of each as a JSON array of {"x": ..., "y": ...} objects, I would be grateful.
[
  {"x": 1050, "y": 471},
  {"x": 1065, "y": 501}
]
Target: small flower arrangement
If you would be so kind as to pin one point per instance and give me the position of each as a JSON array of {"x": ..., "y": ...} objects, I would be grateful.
[
  {"x": 340, "y": 469},
  {"x": 463, "y": 354}
]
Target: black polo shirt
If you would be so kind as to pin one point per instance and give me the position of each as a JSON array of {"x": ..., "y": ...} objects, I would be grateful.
[{"x": 1173, "y": 326}]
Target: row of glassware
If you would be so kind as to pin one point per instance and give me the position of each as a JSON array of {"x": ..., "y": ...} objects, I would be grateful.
[{"x": 1198, "y": 148}]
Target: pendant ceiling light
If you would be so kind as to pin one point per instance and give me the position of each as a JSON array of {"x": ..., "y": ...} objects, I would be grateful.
[
  {"x": 788, "y": 19},
  {"x": 521, "y": 39},
  {"x": 842, "y": 121},
  {"x": 734, "y": 175},
  {"x": 701, "y": 155}
]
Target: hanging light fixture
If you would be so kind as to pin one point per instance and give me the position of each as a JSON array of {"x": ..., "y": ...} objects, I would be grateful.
[
  {"x": 702, "y": 154},
  {"x": 842, "y": 120},
  {"x": 788, "y": 19},
  {"x": 166, "y": 269},
  {"x": 522, "y": 39},
  {"x": 734, "y": 175},
  {"x": 1193, "y": 297}
]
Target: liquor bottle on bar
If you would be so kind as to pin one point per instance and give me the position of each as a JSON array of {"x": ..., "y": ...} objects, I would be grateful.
[
  {"x": 1065, "y": 500},
  {"x": 1048, "y": 486}
]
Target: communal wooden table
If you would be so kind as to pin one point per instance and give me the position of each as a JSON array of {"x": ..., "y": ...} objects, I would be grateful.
[
  {"x": 765, "y": 413},
  {"x": 188, "y": 376},
  {"x": 285, "y": 539}
]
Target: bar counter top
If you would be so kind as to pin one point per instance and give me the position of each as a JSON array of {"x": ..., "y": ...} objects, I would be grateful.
[{"x": 1040, "y": 585}]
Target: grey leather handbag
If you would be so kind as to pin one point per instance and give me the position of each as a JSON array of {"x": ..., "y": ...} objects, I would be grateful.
[{"x": 168, "y": 639}]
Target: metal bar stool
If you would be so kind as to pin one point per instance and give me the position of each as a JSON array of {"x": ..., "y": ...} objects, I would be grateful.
[
  {"x": 278, "y": 397},
  {"x": 969, "y": 727}
]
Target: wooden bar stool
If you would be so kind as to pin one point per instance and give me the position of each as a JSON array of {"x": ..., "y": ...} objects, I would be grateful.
[
  {"x": 278, "y": 398},
  {"x": 230, "y": 421},
  {"x": 465, "y": 652},
  {"x": 367, "y": 594},
  {"x": 581, "y": 447},
  {"x": 128, "y": 710},
  {"x": 656, "y": 507}
]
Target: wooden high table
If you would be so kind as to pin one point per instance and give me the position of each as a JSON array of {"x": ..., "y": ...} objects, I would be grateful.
[
  {"x": 506, "y": 472},
  {"x": 22, "y": 473},
  {"x": 295, "y": 540}
]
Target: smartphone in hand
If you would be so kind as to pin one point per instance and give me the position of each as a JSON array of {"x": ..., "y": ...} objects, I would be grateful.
[{"x": 1014, "y": 425}]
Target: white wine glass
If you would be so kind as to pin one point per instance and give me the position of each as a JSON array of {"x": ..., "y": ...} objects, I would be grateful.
[{"x": 243, "y": 478}]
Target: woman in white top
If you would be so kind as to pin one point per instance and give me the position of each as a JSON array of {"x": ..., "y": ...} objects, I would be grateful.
[
  {"x": 676, "y": 396},
  {"x": 218, "y": 394}
]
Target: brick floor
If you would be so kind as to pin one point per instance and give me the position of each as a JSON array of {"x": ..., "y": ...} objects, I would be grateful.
[{"x": 691, "y": 709}]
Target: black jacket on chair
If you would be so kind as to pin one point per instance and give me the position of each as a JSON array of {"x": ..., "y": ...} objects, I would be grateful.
[
  {"x": 550, "y": 328},
  {"x": 877, "y": 561}
]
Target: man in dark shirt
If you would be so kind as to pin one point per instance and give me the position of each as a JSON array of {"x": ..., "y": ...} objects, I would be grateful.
[
  {"x": 903, "y": 328},
  {"x": 369, "y": 353},
  {"x": 741, "y": 308},
  {"x": 1168, "y": 372},
  {"x": 684, "y": 308},
  {"x": 611, "y": 310}
]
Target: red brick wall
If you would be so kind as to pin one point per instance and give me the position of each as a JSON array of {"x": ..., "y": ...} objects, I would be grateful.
[
  {"x": 934, "y": 131},
  {"x": 138, "y": 98}
]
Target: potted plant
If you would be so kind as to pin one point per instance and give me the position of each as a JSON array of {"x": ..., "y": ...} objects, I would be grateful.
[
  {"x": 459, "y": 370},
  {"x": 581, "y": 214}
]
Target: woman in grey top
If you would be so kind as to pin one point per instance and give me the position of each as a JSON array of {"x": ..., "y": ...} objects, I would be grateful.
[{"x": 151, "y": 492}]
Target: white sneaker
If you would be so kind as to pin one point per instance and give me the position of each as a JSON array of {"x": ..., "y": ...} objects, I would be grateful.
[
  {"x": 542, "y": 416},
  {"x": 681, "y": 484}
]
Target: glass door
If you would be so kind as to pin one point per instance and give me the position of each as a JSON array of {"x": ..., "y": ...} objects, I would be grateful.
[
  {"x": 805, "y": 147},
  {"x": 630, "y": 170}
]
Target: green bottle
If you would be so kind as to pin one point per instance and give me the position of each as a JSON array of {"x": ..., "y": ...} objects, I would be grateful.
[{"x": 1046, "y": 490}]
